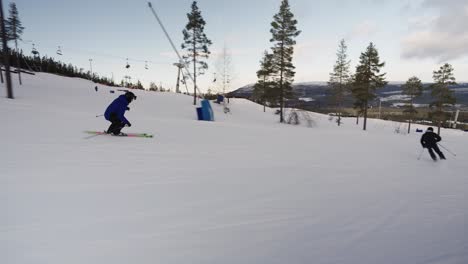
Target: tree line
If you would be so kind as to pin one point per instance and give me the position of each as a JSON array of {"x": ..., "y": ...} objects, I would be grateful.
[
  {"x": 50, "y": 65},
  {"x": 276, "y": 75},
  {"x": 363, "y": 84},
  {"x": 36, "y": 63}
]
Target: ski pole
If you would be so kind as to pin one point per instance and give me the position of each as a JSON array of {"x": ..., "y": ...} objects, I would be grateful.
[
  {"x": 420, "y": 154},
  {"x": 92, "y": 136},
  {"x": 99, "y": 115},
  {"x": 447, "y": 150}
]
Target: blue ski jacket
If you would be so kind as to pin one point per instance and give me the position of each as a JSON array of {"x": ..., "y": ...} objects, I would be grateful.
[{"x": 118, "y": 106}]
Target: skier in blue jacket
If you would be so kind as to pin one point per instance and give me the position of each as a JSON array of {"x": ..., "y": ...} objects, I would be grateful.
[{"x": 115, "y": 113}]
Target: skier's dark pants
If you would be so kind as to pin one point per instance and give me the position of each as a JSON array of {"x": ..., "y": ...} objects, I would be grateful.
[
  {"x": 116, "y": 125},
  {"x": 435, "y": 148}
]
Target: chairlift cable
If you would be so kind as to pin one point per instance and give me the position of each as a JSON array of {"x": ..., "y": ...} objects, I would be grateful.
[
  {"x": 100, "y": 54},
  {"x": 172, "y": 44}
]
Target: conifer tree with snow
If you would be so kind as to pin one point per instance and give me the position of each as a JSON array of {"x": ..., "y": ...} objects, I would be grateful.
[
  {"x": 340, "y": 79},
  {"x": 441, "y": 93},
  {"x": 196, "y": 44},
  {"x": 283, "y": 32},
  {"x": 367, "y": 80},
  {"x": 264, "y": 88},
  {"x": 412, "y": 88}
]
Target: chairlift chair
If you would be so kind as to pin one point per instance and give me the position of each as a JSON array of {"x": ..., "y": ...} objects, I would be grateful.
[
  {"x": 59, "y": 51},
  {"x": 146, "y": 65},
  {"x": 34, "y": 51},
  {"x": 128, "y": 65}
]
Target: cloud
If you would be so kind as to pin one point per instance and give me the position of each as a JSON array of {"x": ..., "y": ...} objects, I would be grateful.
[
  {"x": 364, "y": 29},
  {"x": 442, "y": 37},
  {"x": 308, "y": 50},
  {"x": 410, "y": 5},
  {"x": 422, "y": 22},
  {"x": 442, "y": 46}
]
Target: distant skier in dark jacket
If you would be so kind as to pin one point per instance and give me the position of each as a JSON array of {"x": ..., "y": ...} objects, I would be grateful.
[
  {"x": 429, "y": 140},
  {"x": 115, "y": 113}
]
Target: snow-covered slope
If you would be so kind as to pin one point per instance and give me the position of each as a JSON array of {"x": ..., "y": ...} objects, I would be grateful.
[{"x": 243, "y": 189}]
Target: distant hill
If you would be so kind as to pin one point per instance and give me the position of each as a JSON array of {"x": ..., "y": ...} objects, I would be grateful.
[{"x": 315, "y": 94}]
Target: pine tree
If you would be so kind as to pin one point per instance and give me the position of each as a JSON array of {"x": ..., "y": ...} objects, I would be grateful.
[
  {"x": 224, "y": 69},
  {"x": 367, "y": 80},
  {"x": 412, "y": 88},
  {"x": 283, "y": 33},
  {"x": 14, "y": 25},
  {"x": 153, "y": 87},
  {"x": 6, "y": 54},
  {"x": 14, "y": 30},
  {"x": 263, "y": 88},
  {"x": 139, "y": 85},
  {"x": 340, "y": 78},
  {"x": 441, "y": 93},
  {"x": 196, "y": 45}
]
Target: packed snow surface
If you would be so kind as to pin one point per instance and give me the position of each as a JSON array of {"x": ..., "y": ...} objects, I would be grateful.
[{"x": 242, "y": 189}]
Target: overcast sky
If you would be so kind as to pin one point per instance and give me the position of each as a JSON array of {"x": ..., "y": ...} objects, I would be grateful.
[{"x": 413, "y": 37}]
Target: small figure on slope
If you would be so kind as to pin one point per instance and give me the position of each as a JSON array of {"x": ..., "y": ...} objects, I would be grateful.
[
  {"x": 429, "y": 140},
  {"x": 115, "y": 113}
]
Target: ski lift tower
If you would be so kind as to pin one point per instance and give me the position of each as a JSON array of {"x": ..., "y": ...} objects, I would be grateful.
[
  {"x": 179, "y": 65},
  {"x": 91, "y": 68},
  {"x": 177, "y": 52}
]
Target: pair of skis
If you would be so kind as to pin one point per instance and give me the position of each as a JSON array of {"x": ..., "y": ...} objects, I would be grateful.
[{"x": 137, "y": 135}]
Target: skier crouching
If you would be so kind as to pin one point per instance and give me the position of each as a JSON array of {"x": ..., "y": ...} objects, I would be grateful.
[
  {"x": 115, "y": 113},
  {"x": 429, "y": 140}
]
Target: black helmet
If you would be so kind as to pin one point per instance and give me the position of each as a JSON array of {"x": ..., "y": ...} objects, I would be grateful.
[
  {"x": 430, "y": 129},
  {"x": 130, "y": 96}
]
